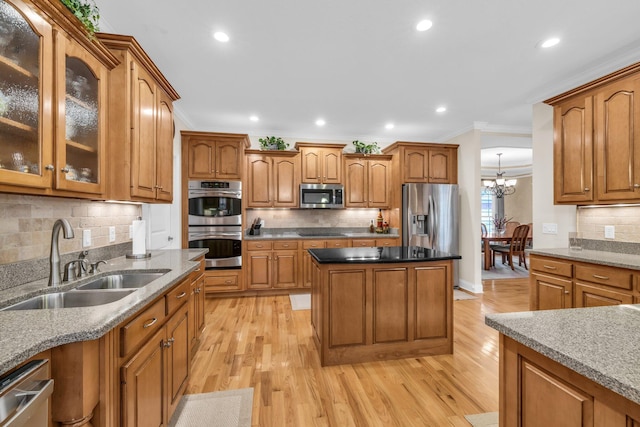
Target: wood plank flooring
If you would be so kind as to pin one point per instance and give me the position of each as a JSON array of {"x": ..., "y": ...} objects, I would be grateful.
[{"x": 260, "y": 342}]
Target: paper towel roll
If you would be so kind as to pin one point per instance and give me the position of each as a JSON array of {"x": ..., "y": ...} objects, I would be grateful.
[{"x": 139, "y": 237}]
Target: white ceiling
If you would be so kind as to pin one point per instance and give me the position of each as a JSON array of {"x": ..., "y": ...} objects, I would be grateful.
[{"x": 360, "y": 64}]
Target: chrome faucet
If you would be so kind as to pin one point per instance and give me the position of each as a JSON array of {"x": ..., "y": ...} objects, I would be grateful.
[{"x": 54, "y": 256}]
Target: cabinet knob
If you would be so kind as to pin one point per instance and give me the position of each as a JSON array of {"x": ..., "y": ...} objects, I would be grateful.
[
  {"x": 587, "y": 189},
  {"x": 566, "y": 292},
  {"x": 49, "y": 167},
  {"x": 64, "y": 170},
  {"x": 636, "y": 185}
]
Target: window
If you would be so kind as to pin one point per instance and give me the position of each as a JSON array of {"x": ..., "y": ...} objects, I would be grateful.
[{"x": 487, "y": 209}]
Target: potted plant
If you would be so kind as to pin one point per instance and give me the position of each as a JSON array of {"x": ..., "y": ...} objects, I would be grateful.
[
  {"x": 363, "y": 147},
  {"x": 86, "y": 11},
  {"x": 273, "y": 143}
]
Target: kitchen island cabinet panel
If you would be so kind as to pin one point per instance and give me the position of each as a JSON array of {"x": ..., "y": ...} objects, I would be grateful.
[
  {"x": 390, "y": 305},
  {"x": 346, "y": 308},
  {"x": 433, "y": 317}
]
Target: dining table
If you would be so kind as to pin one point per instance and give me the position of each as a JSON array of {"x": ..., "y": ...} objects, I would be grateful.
[{"x": 486, "y": 242}]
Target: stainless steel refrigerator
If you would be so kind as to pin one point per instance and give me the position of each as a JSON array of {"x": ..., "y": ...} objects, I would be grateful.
[{"x": 430, "y": 218}]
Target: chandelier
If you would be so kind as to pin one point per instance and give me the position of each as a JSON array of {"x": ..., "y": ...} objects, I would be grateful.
[{"x": 500, "y": 187}]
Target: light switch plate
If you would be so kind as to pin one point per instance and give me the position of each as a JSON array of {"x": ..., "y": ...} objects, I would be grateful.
[
  {"x": 609, "y": 232},
  {"x": 549, "y": 228},
  {"x": 86, "y": 238},
  {"x": 112, "y": 234}
]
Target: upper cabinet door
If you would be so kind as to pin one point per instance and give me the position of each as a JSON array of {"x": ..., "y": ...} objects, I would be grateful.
[
  {"x": 81, "y": 84},
  {"x": 356, "y": 183},
  {"x": 26, "y": 57},
  {"x": 311, "y": 165},
  {"x": 164, "y": 148},
  {"x": 440, "y": 166},
  {"x": 379, "y": 183},
  {"x": 332, "y": 166},
  {"x": 416, "y": 165},
  {"x": 617, "y": 115},
  {"x": 228, "y": 159},
  {"x": 143, "y": 147},
  {"x": 573, "y": 150},
  {"x": 201, "y": 158}
]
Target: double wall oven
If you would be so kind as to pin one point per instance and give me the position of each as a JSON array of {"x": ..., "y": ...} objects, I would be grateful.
[{"x": 215, "y": 221}]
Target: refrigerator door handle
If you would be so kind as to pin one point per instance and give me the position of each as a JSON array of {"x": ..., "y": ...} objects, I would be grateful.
[{"x": 431, "y": 222}]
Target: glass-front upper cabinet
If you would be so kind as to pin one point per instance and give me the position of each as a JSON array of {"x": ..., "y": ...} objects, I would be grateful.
[
  {"x": 25, "y": 97},
  {"x": 80, "y": 123}
]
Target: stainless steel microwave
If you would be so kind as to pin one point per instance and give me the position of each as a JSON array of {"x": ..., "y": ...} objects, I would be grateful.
[{"x": 322, "y": 196}]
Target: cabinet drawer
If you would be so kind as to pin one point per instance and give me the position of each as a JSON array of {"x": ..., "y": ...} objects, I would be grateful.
[
  {"x": 259, "y": 246},
  {"x": 337, "y": 243},
  {"x": 312, "y": 244},
  {"x": 610, "y": 276},
  {"x": 386, "y": 242},
  {"x": 551, "y": 266},
  {"x": 142, "y": 326},
  {"x": 363, "y": 243},
  {"x": 222, "y": 282},
  {"x": 178, "y": 296},
  {"x": 198, "y": 271},
  {"x": 277, "y": 245}
]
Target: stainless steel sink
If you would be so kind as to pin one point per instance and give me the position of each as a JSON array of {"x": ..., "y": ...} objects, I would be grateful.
[
  {"x": 71, "y": 299},
  {"x": 121, "y": 281}
]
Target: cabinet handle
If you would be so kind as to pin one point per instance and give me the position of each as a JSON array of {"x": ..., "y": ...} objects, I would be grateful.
[
  {"x": 587, "y": 189},
  {"x": 550, "y": 267},
  {"x": 182, "y": 295},
  {"x": 227, "y": 282},
  {"x": 286, "y": 246},
  {"x": 169, "y": 342},
  {"x": 49, "y": 167},
  {"x": 566, "y": 292},
  {"x": 600, "y": 277},
  {"x": 64, "y": 170},
  {"x": 636, "y": 185},
  {"x": 150, "y": 324}
]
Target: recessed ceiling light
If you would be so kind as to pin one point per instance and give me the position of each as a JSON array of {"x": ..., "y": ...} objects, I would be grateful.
[
  {"x": 441, "y": 109},
  {"x": 254, "y": 118},
  {"x": 220, "y": 36},
  {"x": 389, "y": 126},
  {"x": 550, "y": 42},
  {"x": 424, "y": 25},
  {"x": 320, "y": 122}
]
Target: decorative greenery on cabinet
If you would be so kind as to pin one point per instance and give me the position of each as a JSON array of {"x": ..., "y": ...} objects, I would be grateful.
[
  {"x": 86, "y": 11},
  {"x": 273, "y": 143}
]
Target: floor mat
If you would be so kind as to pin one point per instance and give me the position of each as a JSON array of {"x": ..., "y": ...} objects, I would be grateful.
[
  {"x": 229, "y": 408},
  {"x": 300, "y": 301},
  {"x": 488, "y": 419}
]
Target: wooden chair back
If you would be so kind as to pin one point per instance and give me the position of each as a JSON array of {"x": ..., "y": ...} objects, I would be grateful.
[
  {"x": 519, "y": 240},
  {"x": 510, "y": 227}
]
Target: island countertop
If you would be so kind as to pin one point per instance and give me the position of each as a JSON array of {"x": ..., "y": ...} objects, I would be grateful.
[
  {"x": 600, "y": 343},
  {"x": 389, "y": 254},
  {"x": 24, "y": 333}
]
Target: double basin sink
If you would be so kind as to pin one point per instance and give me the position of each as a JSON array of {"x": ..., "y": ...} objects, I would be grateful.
[{"x": 102, "y": 290}]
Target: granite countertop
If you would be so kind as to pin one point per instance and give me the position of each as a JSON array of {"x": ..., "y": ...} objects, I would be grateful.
[
  {"x": 24, "y": 333},
  {"x": 320, "y": 233},
  {"x": 614, "y": 259},
  {"x": 600, "y": 343},
  {"x": 390, "y": 254}
]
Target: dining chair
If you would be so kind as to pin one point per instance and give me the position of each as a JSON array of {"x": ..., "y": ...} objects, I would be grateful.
[
  {"x": 510, "y": 227},
  {"x": 516, "y": 247}
]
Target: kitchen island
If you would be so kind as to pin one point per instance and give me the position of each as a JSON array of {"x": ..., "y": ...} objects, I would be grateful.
[
  {"x": 381, "y": 303},
  {"x": 570, "y": 367}
]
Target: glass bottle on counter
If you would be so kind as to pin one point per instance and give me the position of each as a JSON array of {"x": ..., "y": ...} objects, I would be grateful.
[
  {"x": 380, "y": 219},
  {"x": 372, "y": 229}
]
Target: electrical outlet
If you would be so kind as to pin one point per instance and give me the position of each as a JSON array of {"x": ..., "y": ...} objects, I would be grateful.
[
  {"x": 549, "y": 228},
  {"x": 609, "y": 232},
  {"x": 131, "y": 231},
  {"x": 112, "y": 234},
  {"x": 86, "y": 238}
]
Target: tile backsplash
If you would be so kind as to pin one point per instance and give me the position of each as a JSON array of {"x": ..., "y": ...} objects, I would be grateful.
[
  {"x": 296, "y": 218},
  {"x": 625, "y": 219},
  {"x": 26, "y": 223}
]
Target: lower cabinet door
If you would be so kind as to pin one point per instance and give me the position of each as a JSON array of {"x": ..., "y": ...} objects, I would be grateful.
[
  {"x": 142, "y": 384},
  {"x": 177, "y": 357},
  {"x": 549, "y": 292},
  {"x": 595, "y": 296}
]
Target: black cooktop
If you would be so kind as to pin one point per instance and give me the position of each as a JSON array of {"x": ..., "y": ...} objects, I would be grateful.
[{"x": 393, "y": 254}]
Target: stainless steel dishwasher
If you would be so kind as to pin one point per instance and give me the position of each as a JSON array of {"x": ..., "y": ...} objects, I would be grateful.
[{"x": 24, "y": 395}]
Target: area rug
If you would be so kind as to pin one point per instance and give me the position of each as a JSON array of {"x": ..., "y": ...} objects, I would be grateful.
[
  {"x": 504, "y": 271},
  {"x": 458, "y": 295},
  {"x": 229, "y": 408},
  {"x": 488, "y": 419},
  {"x": 300, "y": 301}
]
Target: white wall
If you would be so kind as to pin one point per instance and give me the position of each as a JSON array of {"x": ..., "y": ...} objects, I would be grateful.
[
  {"x": 544, "y": 211},
  {"x": 469, "y": 188}
]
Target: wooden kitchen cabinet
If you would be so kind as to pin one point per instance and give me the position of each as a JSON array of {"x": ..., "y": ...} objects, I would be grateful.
[
  {"x": 597, "y": 142},
  {"x": 141, "y": 120},
  {"x": 196, "y": 303},
  {"x": 216, "y": 281},
  {"x": 369, "y": 243},
  {"x": 306, "y": 263},
  {"x": 425, "y": 162},
  {"x": 273, "y": 179},
  {"x": 367, "y": 181},
  {"x": 558, "y": 283},
  {"x": 54, "y": 140},
  {"x": 272, "y": 264},
  {"x": 208, "y": 155},
  {"x": 321, "y": 163},
  {"x": 573, "y": 150},
  {"x": 538, "y": 391}
]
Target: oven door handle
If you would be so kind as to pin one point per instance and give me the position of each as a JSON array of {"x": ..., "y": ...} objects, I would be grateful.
[
  {"x": 215, "y": 193},
  {"x": 200, "y": 236}
]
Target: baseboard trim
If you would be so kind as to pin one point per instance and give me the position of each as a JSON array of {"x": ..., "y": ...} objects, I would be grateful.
[{"x": 471, "y": 287}]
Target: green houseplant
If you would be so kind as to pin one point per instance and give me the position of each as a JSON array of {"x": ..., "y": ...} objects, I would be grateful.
[
  {"x": 86, "y": 11},
  {"x": 363, "y": 147},
  {"x": 273, "y": 143}
]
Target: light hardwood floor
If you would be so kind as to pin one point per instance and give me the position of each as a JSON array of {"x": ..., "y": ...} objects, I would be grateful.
[{"x": 260, "y": 342}]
